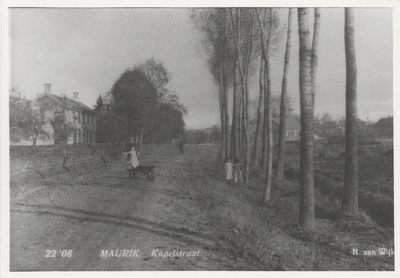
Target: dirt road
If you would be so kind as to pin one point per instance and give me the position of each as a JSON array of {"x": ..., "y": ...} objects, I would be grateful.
[{"x": 104, "y": 221}]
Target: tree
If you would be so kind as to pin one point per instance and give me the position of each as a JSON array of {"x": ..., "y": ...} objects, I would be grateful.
[
  {"x": 243, "y": 26},
  {"x": 168, "y": 122},
  {"x": 99, "y": 105},
  {"x": 213, "y": 24},
  {"x": 236, "y": 115},
  {"x": 134, "y": 102},
  {"x": 63, "y": 125},
  {"x": 260, "y": 112},
  {"x": 350, "y": 196},
  {"x": 307, "y": 199},
  {"x": 328, "y": 126},
  {"x": 283, "y": 113},
  {"x": 276, "y": 102},
  {"x": 28, "y": 119},
  {"x": 314, "y": 52},
  {"x": 157, "y": 74},
  {"x": 143, "y": 108},
  {"x": 107, "y": 129},
  {"x": 269, "y": 32}
]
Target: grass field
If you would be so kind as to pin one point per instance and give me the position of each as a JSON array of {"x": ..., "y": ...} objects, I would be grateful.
[{"x": 267, "y": 234}]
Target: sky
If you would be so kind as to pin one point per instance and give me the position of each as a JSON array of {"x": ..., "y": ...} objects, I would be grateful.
[{"x": 85, "y": 50}]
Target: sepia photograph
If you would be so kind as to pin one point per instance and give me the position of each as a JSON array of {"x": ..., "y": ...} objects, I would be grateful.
[{"x": 197, "y": 138}]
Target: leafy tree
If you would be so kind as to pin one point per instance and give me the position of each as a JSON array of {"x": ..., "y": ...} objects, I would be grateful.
[
  {"x": 99, "y": 105},
  {"x": 143, "y": 107},
  {"x": 17, "y": 108},
  {"x": 134, "y": 102},
  {"x": 168, "y": 124},
  {"x": 328, "y": 126},
  {"x": 63, "y": 125},
  {"x": 28, "y": 119},
  {"x": 107, "y": 129}
]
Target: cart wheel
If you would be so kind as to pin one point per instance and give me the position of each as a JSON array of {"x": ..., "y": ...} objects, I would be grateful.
[{"x": 150, "y": 175}]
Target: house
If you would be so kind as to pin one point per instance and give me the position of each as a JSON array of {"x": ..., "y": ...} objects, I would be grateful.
[
  {"x": 367, "y": 132},
  {"x": 292, "y": 132},
  {"x": 383, "y": 128},
  {"x": 82, "y": 118},
  {"x": 293, "y": 128}
]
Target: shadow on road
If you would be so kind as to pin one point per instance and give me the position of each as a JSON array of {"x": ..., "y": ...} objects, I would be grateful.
[
  {"x": 180, "y": 234},
  {"x": 172, "y": 193}
]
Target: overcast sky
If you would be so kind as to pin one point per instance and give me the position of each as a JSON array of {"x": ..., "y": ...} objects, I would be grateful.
[{"x": 86, "y": 50}]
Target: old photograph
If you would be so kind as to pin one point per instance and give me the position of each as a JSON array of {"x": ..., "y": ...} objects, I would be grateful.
[{"x": 254, "y": 138}]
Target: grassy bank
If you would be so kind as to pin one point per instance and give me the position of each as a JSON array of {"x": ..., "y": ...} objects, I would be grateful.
[{"x": 266, "y": 236}]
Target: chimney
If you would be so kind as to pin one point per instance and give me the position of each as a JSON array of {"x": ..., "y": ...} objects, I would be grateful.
[
  {"x": 47, "y": 88},
  {"x": 75, "y": 95}
]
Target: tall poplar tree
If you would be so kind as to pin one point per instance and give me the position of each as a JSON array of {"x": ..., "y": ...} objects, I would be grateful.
[
  {"x": 283, "y": 107},
  {"x": 307, "y": 199},
  {"x": 350, "y": 196}
]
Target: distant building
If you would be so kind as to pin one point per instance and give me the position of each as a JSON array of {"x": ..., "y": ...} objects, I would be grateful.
[
  {"x": 383, "y": 128},
  {"x": 292, "y": 132},
  {"x": 83, "y": 118},
  {"x": 368, "y": 132},
  {"x": 293, "y": 128}
]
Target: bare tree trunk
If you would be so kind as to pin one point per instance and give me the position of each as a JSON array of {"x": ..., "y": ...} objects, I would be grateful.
[
  {"x": 282, "y": 121},
  {"x": 265, "y": 42},
  {"x": 222, "y": 112},
  {"x": 241, "y": 141},
  {"x": 246, "y": 133},
  {"x": 307, "y": 199},
  {"x": 268, "y": 111},
  {"x": 265, "y": 120},
  {"x": 260, "y": 112},
  {"x": 350, "y": 196},
  {"x": 226, "y": 125},
  {"x": 314, "y": 51},
  {"x": 65, "y": 153},
  {"x": 141, "y": 139},
  {"x": 236, "y": 116},
  {"x": 225, "y": 84}
]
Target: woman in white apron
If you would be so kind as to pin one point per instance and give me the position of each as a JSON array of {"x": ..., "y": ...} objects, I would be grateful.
[{"x": 133, "y": 161}]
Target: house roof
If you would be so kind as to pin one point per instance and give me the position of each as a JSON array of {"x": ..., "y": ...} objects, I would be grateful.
[
  {"x": 69, "y": 103},
  {"x": 292, "y": 123},
  {"x": 384, "y": 122}
]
